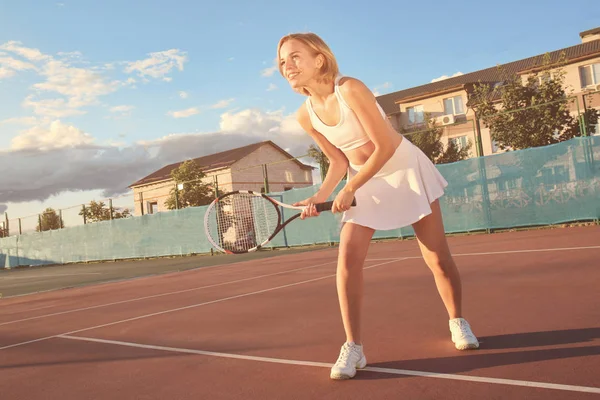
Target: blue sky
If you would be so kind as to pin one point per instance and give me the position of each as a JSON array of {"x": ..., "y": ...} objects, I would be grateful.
[{"x": 96, "y": 94}]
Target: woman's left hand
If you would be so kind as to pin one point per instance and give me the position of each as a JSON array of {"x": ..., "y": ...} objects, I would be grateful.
[{"x": 343, "y": 201}]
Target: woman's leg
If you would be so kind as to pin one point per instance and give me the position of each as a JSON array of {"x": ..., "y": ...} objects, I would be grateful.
[
  {"x": 436, "y": 253},
  {"x": 354, "y": 244}
]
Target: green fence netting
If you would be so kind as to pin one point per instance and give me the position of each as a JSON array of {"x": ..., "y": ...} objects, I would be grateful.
[{"x": 538, "y": 186}]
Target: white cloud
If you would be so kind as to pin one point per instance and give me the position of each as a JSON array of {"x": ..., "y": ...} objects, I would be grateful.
[
  {"x": 6, "y": 73},
  {"x": 21, "y": 121},
  {"x": 26, "y": 52},
  {"x": 81, "y": 86},
  {"x": 272, "y": 69},
  {"x": 441, "y": 78},
  {"x": 183, "y": 95},
  {"x": 9, "y": 66},
  {"x": 56, "y": 108},
  {"x": 67, "y": 159},
  {"x": 271, "y": 87},
  {"x": 121, "y": 109},
  {"x": 159, "y": 64},
  {"x": 55, "y": 136},
  {"x": 377, "y": 89},
  {"x": 269, "y": 71},
  {"x": 184, "y": 113},
  {"x": 76, "y": 87},
  {"x": 222, "y": 103}
]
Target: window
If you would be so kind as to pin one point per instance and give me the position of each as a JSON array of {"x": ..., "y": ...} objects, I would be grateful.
[
  {"x": 415, "y": 114},
  {"x": 494, "y": 146},
  {"x": 288, "y": 176},
  {"x": 590, "y": 75},
  {"x": 459, "y": 141},
  {"x": 453, "y": 105},
  {"x": 546, "y": 77},
  {"x": 152, "y": 207}
]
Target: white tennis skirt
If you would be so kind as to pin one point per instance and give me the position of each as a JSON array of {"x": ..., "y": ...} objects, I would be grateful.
[{"x": 400, "y": 194}]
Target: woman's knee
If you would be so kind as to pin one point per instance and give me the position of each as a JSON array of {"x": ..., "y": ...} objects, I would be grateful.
[{"x": 439, "y": 262}]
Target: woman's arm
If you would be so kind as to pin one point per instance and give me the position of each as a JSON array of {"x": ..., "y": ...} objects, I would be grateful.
[
  {"x": 362, "y": 101},
  {"x": 338, "y": 163}
]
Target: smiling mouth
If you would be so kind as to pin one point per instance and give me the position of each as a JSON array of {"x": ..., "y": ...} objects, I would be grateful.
[{"x": 293, "y": 75}]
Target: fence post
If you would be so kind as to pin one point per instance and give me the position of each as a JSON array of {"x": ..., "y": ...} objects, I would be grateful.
[
  {"x": 142, "y": 203},
  {"x": 176, "y": 196},
  {"x": 20, "y": 230},
  {"x": 7, "y": 225},
  {"x": 266, "y": 178},
  {"x": 580, "y": 117},
  {"x": 110, "y": 208},
  {"x": 39, "y": 222},
  {"x": 83, "y": 213},
  {"x": 216, "y": 184},
  {"x": 60, "y": 220}
]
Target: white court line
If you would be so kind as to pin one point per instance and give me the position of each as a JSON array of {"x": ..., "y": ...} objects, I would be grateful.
[
  {"x": 186, "y": 307},
  {"x": 264, "y": 276},
  {"x": 394, "y": 371},
  {"x": 161, "y": 294},
  {"x": 487, "y": 253}
]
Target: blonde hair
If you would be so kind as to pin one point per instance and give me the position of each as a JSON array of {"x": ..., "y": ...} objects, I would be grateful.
[{"x": 329, "y": 70}]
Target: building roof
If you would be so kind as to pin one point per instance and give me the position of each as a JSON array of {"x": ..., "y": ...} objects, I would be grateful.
[
  {"x": 210, "y": 162},
  {"x": 574, "y": 53},
  {"x": 589, "y": 32}
]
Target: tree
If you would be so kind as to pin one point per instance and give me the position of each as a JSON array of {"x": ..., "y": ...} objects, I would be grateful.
[
  {"x": 195, "y": 192},
  {"x": 429, "y": 141},
  {"x": 531, "y": 113},
  {"x": 98, "y": 211},
  {"x": 49, "y": 220},
  {"x": 316, "y": 154}
]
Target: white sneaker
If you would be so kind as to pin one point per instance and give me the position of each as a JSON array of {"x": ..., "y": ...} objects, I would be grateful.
[
  {"x": 462, "y": 337},
  {"x": 351, "y": 357}
]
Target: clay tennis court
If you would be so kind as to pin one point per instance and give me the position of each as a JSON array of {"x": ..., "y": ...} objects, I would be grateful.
[{"x": 269, "y": 328}]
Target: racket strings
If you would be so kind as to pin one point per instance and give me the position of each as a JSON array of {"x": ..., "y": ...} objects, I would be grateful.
[{"x": 243, "y": 221}]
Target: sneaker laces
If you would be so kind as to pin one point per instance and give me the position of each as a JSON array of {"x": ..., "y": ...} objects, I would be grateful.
[
  {"x": 345, "y": 354},
  {"x": 464, "y": 328}
]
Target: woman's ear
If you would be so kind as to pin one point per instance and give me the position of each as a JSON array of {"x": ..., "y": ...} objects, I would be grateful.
[{"x": 320, "y": 60}]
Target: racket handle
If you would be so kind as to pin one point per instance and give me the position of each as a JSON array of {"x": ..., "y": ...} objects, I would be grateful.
[{"x": 326, "y": 206}]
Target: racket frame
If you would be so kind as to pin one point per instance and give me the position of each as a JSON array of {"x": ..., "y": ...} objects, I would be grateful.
[{"x": 320, "y": 207}]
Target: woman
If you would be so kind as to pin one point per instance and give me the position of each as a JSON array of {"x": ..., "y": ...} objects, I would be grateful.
[{"x": 394, "y": 184}]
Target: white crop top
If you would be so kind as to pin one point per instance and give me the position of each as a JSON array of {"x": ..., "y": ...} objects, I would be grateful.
[{"x": 349, "y": 133}]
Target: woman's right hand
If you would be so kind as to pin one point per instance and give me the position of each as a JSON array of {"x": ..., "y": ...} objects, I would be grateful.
[{"x": 310, "y": 210}]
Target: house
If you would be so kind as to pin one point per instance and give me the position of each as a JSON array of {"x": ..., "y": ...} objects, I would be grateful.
[
  {"x": 262, "y": 166},
  {"x": 447, "y": 100}
]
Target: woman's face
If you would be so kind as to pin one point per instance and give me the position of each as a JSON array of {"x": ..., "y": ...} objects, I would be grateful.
[{"x": 298, "y": 63}]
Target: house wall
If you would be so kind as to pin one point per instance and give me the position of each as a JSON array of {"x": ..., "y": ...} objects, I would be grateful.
[
  {"x": 247, "y": 173},
  {"x": 465, "y": 125},
  {"x": 153, "y": 196}
]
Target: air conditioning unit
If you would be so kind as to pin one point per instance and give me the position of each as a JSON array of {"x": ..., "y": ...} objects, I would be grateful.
[{"x": 447, "y": 119}]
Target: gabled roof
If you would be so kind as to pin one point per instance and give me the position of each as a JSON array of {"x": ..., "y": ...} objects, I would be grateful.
[
  {"x": 575, "y": 53},
  {"x": 210, "y": 162}
]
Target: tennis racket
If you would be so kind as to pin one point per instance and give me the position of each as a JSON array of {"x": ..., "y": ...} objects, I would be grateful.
[{"x": 243, "y": 221}]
